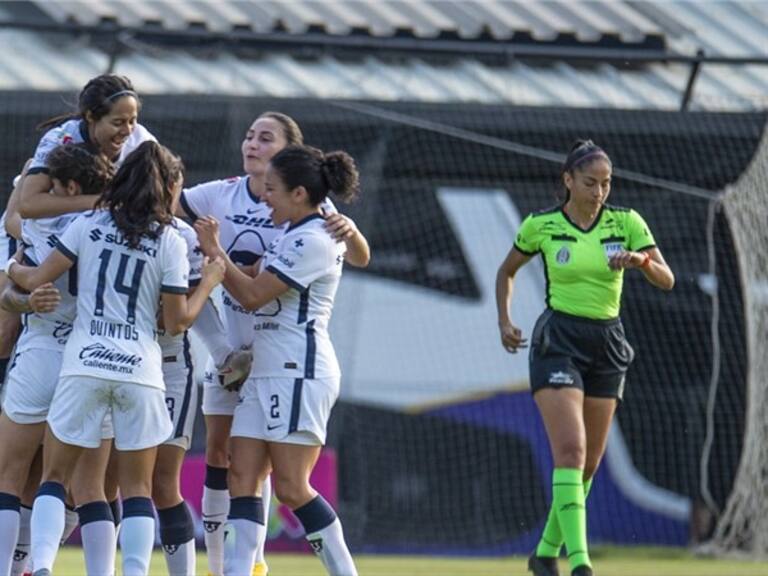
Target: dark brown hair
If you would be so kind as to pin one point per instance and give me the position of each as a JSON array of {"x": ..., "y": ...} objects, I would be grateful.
[
  {"x": 97, "y": 97},
  {"x": 75, "y": 162},
  {"x": 319, "y": 173},
  {"x": 140, "y": 195}
]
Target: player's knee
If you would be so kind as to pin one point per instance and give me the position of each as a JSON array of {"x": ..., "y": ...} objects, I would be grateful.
[
  {"x": 293, "y": 492},
  {"x": 570, "y": 454}
]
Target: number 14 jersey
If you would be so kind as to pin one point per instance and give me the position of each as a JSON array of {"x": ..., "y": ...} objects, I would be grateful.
[{"x": 118, "y": 299}]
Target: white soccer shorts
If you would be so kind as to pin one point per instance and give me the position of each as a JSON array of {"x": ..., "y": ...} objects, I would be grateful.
[
  {"x": 217, "y": 400},
  {"x": 286, "y": 410},
  {"x": 180, "y": 398},
  {"x": 30, "y": 385},
  {"x": 139, "y": 416}
]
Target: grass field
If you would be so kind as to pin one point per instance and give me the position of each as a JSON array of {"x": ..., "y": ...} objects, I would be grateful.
[{"x": 607, "y": 562}]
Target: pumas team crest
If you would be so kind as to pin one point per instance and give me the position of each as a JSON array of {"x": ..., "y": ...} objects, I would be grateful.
[{"x": 563, "y": 255}]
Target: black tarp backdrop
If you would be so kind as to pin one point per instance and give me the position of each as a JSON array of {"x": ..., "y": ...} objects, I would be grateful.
[{"x": 663, "y": 417}]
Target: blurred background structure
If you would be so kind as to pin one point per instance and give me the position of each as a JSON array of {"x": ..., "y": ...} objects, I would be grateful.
[{"x": 459, "y": 113}]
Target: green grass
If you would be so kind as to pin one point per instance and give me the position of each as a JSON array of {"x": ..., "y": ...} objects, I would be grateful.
[{"x": 634, "y": 561}]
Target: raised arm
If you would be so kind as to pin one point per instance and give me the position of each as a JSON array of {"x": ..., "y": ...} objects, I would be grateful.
[
  {"x": 650, "y": 262},
  {"x": 181, "y": 309},
  {"x": 35, "y": 201},
  {"x": 344, "y": 229},
  {"x": 31, "y": 277}
]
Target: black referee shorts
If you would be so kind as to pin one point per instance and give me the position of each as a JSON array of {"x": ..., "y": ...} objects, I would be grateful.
[{"x": 571, "y": 351}]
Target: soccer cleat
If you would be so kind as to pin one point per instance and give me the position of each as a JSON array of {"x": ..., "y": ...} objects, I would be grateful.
[
  {"x": 260, "y": 569},
  {"x": 235, "y": 369},
  {"x": 582, "y": 570},
  {"x": 542, "y": 566}
]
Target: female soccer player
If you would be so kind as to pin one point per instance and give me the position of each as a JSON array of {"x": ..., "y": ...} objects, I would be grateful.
[
  {"x": 294, "y": 381},
  {"x": 106, "y": 119},
  {"x": 246, "y": 230},
  {"x": 31, "y": 382},
  {"x": 579, "y": 355},
  {"x": 112, "y": 362}
]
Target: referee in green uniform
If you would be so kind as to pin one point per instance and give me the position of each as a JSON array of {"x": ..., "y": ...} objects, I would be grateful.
[{"x": 579, "y": 355}]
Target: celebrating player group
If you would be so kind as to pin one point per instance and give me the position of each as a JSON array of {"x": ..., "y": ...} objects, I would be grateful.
[{"x": 108, "y": 262}]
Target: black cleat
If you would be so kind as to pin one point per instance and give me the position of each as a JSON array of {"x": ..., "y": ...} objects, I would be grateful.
[
  {"x": 542, "y": 565},
  {"x": 582, "y": 570}
]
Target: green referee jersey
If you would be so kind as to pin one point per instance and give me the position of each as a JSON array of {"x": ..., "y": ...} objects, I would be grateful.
[{"x": 579, "y": 281}]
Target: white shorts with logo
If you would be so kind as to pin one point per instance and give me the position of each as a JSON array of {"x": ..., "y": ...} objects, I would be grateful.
[
  {"x": 80, "y": 404},
  {"x": 180, "y": 396},
  {"x": 286, "y": 410},
  {"x": 30, "y": 385},
  {"x": 217, "y": 400}
]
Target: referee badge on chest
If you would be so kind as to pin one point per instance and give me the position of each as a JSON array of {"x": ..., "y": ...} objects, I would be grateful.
[
  {"x": 563, "y": 255},
  {"x": 612, "y": 248}
]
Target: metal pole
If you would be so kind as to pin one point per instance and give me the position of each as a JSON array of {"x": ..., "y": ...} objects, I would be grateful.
[{"x": 695, "y": 66}]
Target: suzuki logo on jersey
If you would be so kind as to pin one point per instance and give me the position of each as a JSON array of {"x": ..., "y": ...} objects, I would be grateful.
[
  {"x": 95, "y": 235},
  {"x": 247, "y": 220},
  {"x": 121, "y": 241}
]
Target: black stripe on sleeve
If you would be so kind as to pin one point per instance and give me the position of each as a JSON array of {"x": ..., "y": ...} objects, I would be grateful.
[
  {"x": 524, "y": 251},
  {"x": 174, "y": 289},
  {"x": 38, "y": 170},
  {"x": 64, "y": 250},
  {"x": 287, "y": 279}
]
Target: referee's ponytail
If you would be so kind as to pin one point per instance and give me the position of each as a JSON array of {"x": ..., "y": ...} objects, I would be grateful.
[
  {"x": 97, "y": 98},
  {"x": 319, "y": 173}
]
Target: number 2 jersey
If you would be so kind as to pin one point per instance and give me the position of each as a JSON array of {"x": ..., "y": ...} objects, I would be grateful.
[
  {"x": 291, "y": 337},
  {"x": 119, "y": 291}
]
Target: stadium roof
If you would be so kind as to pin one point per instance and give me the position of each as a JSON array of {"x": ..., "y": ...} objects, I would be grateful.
[{"x": 423, "y": 50}]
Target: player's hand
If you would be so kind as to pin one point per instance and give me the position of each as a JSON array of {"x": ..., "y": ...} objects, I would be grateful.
[
  {"x": 625, "y": 259},
  {"x": 207, "y": 229},
  {"x": 44, "y": 298},
  {"x": 339, "y": 226},
  {"x": 512, "y": 337},
  {"x": 214, "y": 270}
]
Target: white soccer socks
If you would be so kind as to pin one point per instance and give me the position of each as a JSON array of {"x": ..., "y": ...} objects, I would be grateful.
[
  {"x": 244, "y": 534},
  {"x": 326, "y": 537},
  {"x": 137, "y": 535},
  {"x": 177, "y": 535},
  {"x": 9, "y": 529},
  {"x": 48, "y": 512},
  {"x": 215, "y": 510},
  {"x": 97, "y": 530}
]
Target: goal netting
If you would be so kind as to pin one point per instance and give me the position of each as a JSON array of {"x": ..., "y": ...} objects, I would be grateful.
[{"x": 743, "y": 524}]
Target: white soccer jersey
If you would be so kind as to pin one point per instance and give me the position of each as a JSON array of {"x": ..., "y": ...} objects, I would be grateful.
[
  {"x": 48, "y": 331},
  {"x": 291, "y": 336},
  {"x": 173, "y": 345},
  {"x": 76, "y": 131},
  {"x": 118, "y": 298},
  {"x": 246, "y": 231}
]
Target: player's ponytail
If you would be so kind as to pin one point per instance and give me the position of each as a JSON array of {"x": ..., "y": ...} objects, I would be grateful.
[
  {"x": 140, "y": 198},
  {"x": 582, "y": 152},
  {"x": 319, "y": 174},
  {"x": 97, "y": 97}
]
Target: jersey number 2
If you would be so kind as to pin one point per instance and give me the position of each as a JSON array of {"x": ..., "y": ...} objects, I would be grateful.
[{"x": 131, "y": 290}]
